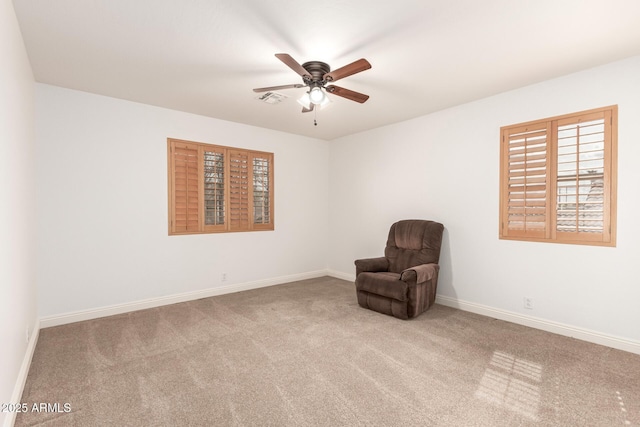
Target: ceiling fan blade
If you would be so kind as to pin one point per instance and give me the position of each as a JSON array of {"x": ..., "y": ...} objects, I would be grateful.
[
  {"x": 267, "y": 89},
  {"x": 293, "y": 64},
  {"x": 306, "y": 110},
  {"x": 346, "y": 93},
  {"x": 347, "y": 70}
]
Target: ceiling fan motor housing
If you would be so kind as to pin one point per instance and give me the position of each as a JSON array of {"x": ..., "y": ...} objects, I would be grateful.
[{"x": 317, "y": 70}]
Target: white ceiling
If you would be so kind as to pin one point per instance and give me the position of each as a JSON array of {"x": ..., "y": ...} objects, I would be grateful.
[{"x": 205, "y": 56}]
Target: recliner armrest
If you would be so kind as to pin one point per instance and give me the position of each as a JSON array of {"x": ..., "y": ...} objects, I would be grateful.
[
  {"x": 423, "y": 272},
  {"x": 371, "y": 265}
]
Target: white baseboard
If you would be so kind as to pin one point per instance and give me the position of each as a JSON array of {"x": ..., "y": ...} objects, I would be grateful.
[
  {"x": 78, "y": 316},
  {"x": 18, "y": 388},
  {"x": 340, "y": 275},
  {"x": 542, "y": 324}
]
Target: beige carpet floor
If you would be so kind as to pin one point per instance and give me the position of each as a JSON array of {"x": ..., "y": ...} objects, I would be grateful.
[{"x": 305, "y": 354}]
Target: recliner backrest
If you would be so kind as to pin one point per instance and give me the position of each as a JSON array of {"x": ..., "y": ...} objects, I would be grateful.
[{"x": 413, "y": 242}]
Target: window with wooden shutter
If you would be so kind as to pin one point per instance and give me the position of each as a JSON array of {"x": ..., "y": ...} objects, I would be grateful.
[
  {"x": 558, "y": 179},
  {"x": 215, "y": 188}
]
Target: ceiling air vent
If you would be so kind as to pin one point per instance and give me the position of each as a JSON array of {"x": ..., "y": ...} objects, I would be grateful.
[{"x": 272, "y": 97}]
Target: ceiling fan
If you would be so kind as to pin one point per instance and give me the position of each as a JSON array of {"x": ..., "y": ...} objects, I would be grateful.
[{"x": 316, "y": 76}]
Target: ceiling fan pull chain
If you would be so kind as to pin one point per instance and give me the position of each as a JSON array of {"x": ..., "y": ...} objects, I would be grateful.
[{"x": 315, "y": 115}]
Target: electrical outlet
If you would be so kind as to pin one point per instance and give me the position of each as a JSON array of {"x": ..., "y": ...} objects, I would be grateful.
[
  {"x": 528, "y": 303},
  {"x": 223, "y": 277}
]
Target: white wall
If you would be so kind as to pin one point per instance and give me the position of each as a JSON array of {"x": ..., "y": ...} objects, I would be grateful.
[
  {"x": 102, "y": 204},
  {"x": 102, "y": 214},
  {"x": 17, "y": 202},
  {"x": 445, "y": 167}
]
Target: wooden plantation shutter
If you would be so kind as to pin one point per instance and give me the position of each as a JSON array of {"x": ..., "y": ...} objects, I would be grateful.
[
  {"x": 239, "y": 190},
  {"x": 184, "y": 188},
  {"x": 525, "y": 180},
  {"x": 558, "y": 179},
  {"x": 214, "y": 188},
  {"x": 262, "y": 190},
  {"x": 218, "y": 189},
  {"x": 583, "y": 196}
]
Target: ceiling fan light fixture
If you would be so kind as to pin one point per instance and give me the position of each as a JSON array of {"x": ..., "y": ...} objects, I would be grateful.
[
  {"x": 325, "y": 101},
  {"x": 305, "y": 101},
  {"x": 317, "y": 96}
]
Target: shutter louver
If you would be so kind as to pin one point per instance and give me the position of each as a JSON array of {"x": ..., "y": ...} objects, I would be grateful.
[
  {"x": 185, "y": 189},
  {"x": 526, "y": 181},
  {"x": 238, "y": 190}
]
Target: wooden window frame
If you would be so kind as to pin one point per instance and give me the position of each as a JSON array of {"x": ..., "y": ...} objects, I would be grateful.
[
  {"x": 187, "y": 215},
  {"x": 543, "y": 225}
]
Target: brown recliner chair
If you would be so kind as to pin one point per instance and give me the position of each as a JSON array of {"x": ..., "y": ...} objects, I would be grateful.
[{"x": 403, "y": 282}]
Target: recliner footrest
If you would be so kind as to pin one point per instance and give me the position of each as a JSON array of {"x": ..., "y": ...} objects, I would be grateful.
[{"x": 384, "y": 284}]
